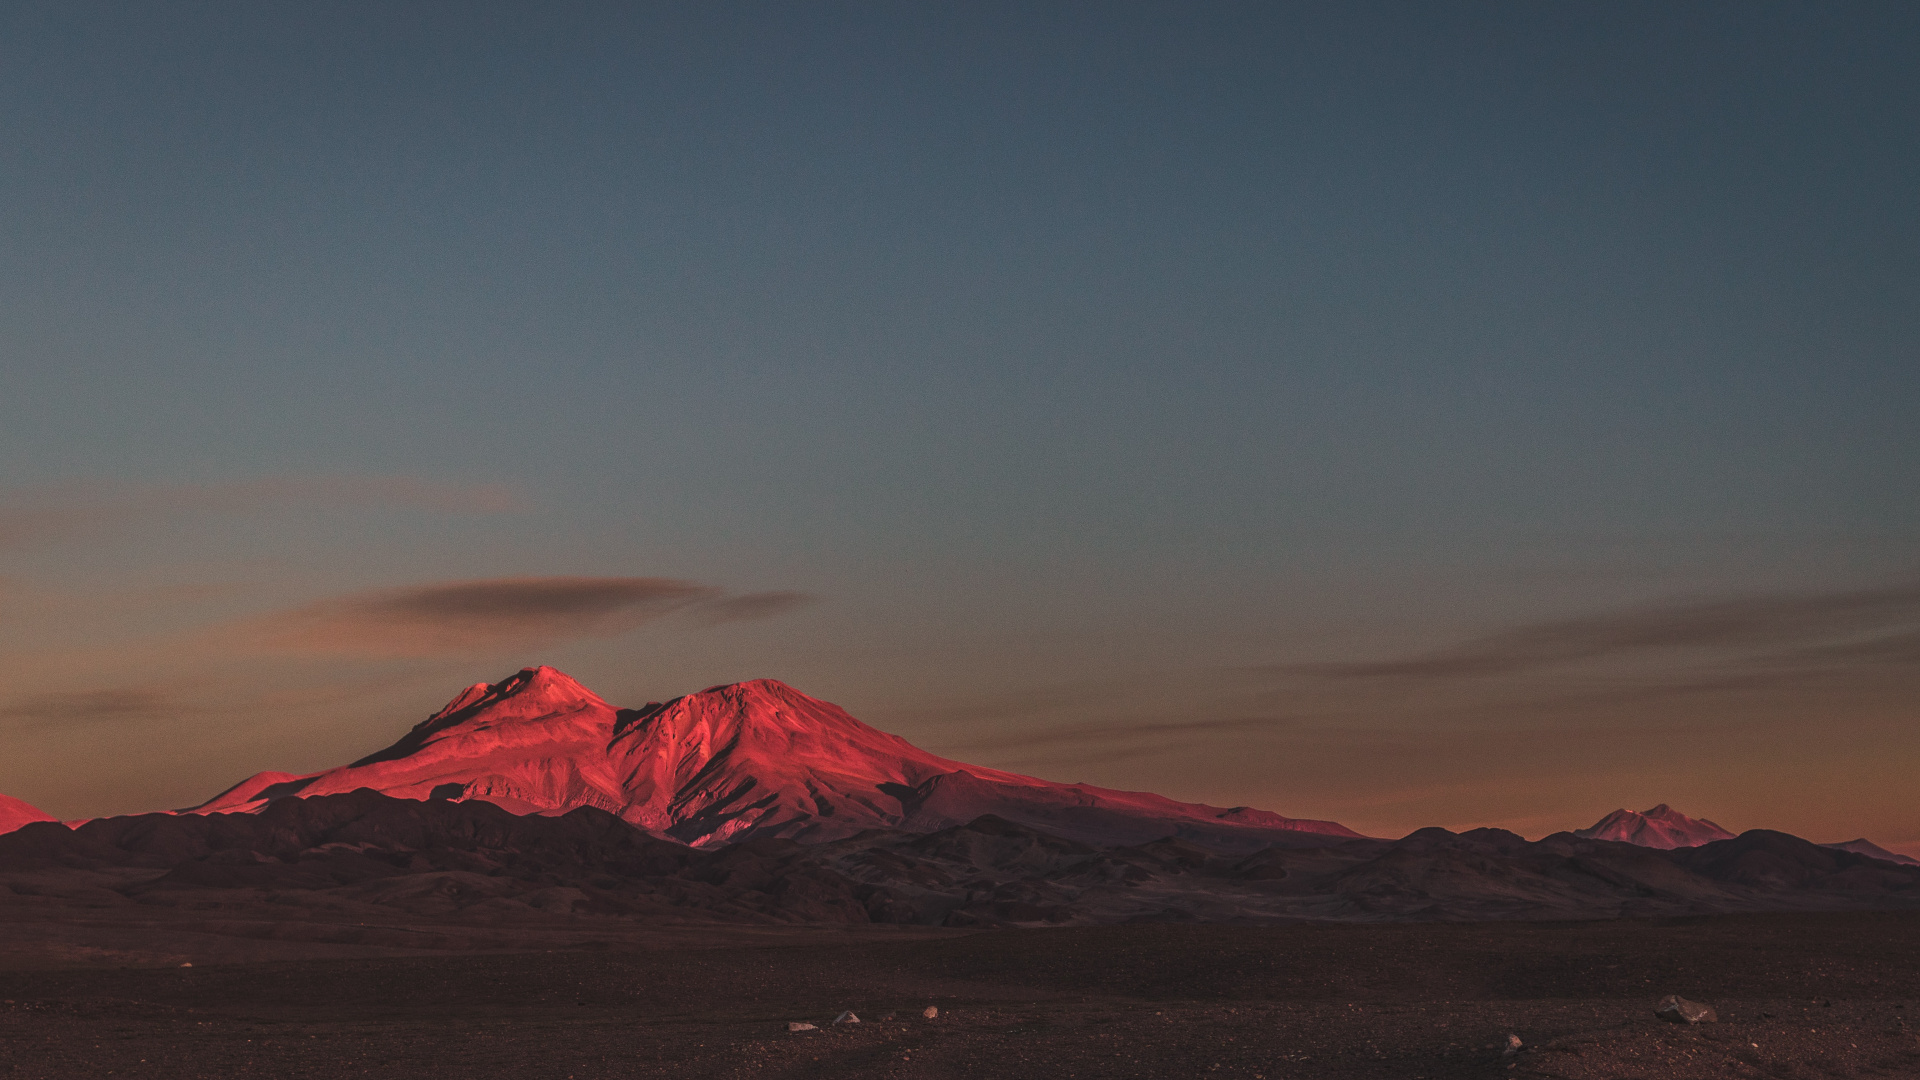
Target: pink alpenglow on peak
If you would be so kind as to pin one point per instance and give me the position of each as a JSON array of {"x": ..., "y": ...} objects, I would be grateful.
[
  {"x": 1660, "y": 827},
  {"x": 745, "y": 759},
  {"x": 15, "y": 813}
]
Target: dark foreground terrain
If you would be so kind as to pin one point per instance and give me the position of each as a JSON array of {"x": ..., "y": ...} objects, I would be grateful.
[
  {"x": 1799, "y": 995},
  {"x": 359, "y": 935},
  {"x": 342, "y": 861}
]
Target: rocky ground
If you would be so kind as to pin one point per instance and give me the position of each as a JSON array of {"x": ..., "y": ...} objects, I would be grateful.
[{"x": 1798, "y": 995}]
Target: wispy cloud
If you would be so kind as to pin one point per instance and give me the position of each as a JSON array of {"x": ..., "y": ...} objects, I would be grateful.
[
  {"x": 1077, "y": 735},
  {"x": 80, "y": 707},
  {"x": 1598, "y": 697},
  {"x": 1100, "y": 743},
  {"x": 1861, "y": 624},
  {"x": 233, "y": 701},
  {"x": 760, "y": 605},
  {"x": 1899, "y": 648},
  {"x": 476, "y": 616},
  {"x": 466, "y": 617},
  {"x": 39, "y": 516}
]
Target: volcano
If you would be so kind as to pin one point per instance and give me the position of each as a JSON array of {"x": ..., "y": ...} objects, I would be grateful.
[
  {"x": 746, "y": 759},
  {"x": 15, "y": 813},
  {"x": 1660, "y": 827}
]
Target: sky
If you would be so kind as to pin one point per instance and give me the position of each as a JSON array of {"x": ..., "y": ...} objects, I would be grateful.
[{"x": 1401, "y": 414}]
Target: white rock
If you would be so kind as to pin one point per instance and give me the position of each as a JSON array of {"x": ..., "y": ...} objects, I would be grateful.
[
  {"x": 796, "y": 1025},
  {"x": 846, "y": 1018},
  {"x": 1681, "y": 1011}
]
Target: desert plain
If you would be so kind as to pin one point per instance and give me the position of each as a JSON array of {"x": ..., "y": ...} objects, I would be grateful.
[{"x": 1797, "y": 995}]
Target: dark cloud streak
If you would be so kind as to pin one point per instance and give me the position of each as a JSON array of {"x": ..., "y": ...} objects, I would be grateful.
[
  {"x": 747, "y": 606},
  {"x": 465, "y": 617},
  {"x": 1804, "y": 625},
  {"x": 84, "y": 707},
  {"x": 1094, "y": 734},
  {"x": 478, "y": 616}
]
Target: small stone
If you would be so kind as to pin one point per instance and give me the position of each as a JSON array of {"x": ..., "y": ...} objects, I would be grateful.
[
  {"x": 1678, "y": 1010},
  {"x": 930, "y": 1012},
  {"x": 795, "y": 1025},
  {"x": 1513, "y": 1046},
  {"x": 887, "y": 1015},
  {"x": 846, "y": 1018},
  {"x": 186, "y": 965}
]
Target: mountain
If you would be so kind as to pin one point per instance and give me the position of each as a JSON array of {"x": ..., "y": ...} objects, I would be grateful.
[
  {"x": 747, "y": 759},
  {"x": 15, "y": 813},
  {"x": 1660, "y": 827},
  {"x": 1870, "y": 849},
  {"x": 364, "y": 869}
]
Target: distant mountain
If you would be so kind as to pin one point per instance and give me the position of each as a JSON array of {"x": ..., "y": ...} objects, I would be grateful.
[
  {"x": 1661, "y": 827},
  {"x": 747, "y": 759},
  {"x": 15, "y": 813},
  {"x": 1873, "y": 850}
]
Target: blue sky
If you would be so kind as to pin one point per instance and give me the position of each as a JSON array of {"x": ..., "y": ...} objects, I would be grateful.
[{"x": 1085, "y": 364}]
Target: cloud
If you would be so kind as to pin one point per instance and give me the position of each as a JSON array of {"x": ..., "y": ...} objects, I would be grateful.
[
  {"x": 76, "y": 707},
  {"x": 1867, "y": 623},
  {"x": 1100, "y": 743},
  {"x": 1901, "y": 648},
  {"x": 1615, "y": 682},
  {"x": 760, "y": 605},
  {"x": 33, "y": 517},
  {"x": 476, "y": 616},
  {"x": 1099, "y": 734}
]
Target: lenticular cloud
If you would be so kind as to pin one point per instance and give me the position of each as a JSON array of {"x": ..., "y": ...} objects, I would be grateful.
[{"x": 464, "y": 616}]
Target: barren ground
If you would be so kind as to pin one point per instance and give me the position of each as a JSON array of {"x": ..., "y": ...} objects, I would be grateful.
[{"x": 1798, "y": 995}]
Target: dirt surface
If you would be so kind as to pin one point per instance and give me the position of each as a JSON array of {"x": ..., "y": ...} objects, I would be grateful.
[{"x": 1800, "y": 995}]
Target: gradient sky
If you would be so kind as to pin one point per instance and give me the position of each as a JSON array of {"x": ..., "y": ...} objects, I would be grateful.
[{"x": 1404, "y": 414}]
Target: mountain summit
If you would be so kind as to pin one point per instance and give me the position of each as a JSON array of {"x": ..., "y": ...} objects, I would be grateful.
[
  {"x": 750, "y": 758},
  {"x": 1866, "y": 847},
  {"x": 15, "y": 813},
  {"x": 1660, "y": 827}
]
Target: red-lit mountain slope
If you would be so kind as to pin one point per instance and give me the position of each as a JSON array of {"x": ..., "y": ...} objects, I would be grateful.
[
  {"x": 750, "y": 758},
  {"x": 1660, "y": 827},
  {"x": 15, "y": 813}
]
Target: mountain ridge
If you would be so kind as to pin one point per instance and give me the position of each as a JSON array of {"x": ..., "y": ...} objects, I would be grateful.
[
  {"x": 362, "y": 858},
  {"x": 17, "y": 812},
  {"x": 731, "y": 761},
  {"x": 1661, "y": 827},
  {"x": 1866, "y": 847}
]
